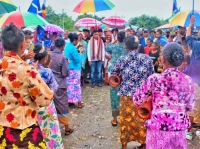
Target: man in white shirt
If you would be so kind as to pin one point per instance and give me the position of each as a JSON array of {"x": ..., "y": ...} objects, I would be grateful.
[{"x": 96, "y": 56}]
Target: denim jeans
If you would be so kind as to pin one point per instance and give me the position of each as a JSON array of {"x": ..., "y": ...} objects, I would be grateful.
[{"x": 96, "y": 67}]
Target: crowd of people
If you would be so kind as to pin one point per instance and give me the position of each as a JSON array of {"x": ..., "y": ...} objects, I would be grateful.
[{"x": 40, "y": 79}]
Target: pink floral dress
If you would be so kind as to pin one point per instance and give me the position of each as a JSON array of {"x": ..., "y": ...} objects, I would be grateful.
[
  {"x": 172, "y": 93},
  {"x": 47, "y": 116}
]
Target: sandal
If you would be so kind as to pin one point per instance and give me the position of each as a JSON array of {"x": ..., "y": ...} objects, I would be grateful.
[
  {"x": 194, "y": 125},
  {"x": 71, "y": 104},
  {"x": 68, "y": 132},
  {"x": 113, "y": 124},
  {"x": 81, "y": 105}
]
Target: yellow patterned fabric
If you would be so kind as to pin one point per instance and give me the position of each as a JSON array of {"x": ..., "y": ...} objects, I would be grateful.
[
  {"x": 24, "y": 133},
  {"x": 3, "y": 144},
  {"x": 1, "y": 131},
  {"x": 131, "y": 126},
  {"x": 22, "y": 91},
  {"x": 29, "y": 138},
  {"x": 15, "y": 146},
  {"x": 42, "y": 145}
]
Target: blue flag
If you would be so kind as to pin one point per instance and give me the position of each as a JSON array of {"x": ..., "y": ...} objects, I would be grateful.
[
  {"x": 35, "y": 7},
  {"x": 175, "y": 8}
]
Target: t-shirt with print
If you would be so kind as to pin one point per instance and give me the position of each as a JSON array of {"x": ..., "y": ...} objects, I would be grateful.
[{"x": 154, "y": 56}]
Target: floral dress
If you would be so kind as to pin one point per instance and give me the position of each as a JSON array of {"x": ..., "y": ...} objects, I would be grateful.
[
  {"x": 172, "y": 93},
  {"x": 116, "y": 50},
  {"x": 47, "y": 116},
  {"x": 22, "y": 91},
  {"x": 134, "y": 68}
]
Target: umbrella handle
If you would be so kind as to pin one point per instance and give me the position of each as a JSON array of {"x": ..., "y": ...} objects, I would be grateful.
[
  {"x": 192, "y": 14},
  {"x": 193, "y": 8}
]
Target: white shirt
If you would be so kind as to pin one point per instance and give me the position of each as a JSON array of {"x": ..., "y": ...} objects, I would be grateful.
[
  {"x": 95, "y": 51},
  {"x": 67, "y": 41}
]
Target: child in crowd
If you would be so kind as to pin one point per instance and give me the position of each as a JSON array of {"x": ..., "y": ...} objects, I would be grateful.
[
  {"x": 154, "y": 54},
  {"x": 147, "y": 49}
]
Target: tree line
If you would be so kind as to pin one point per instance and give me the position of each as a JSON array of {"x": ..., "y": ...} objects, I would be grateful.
[{"x": 148, "y": 22}]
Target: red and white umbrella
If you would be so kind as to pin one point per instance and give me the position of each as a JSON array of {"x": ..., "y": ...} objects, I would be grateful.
[
  {"x": 87, "y": 22},
  {"x": 115, "y": 21}
]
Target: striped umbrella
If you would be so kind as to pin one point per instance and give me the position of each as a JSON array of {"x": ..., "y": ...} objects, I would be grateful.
[
  {"x": 93, "y": 6},
  {"x": 22, "y": 19},
  {"x": 6, "y": 6},
  {"x": 115, "y": 21},
  {"x": 87, "y": 22},
  {"x": 183, "y": 18}
]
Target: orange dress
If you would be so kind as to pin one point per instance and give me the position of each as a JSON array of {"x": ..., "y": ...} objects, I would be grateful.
[{"x": 22, "y": 91}]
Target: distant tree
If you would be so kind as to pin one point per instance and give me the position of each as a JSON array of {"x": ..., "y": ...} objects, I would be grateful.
[
  {"x": 85, "y": 15},
  {"x": 99, "y": 18},
  {"x": 57, "y": 19},
  {"x": 148, "y": 22}
]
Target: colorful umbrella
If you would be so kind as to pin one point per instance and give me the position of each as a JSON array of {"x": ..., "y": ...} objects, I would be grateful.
[
  {"x": 51, "y": 28},
  {"x": 93, "y": 6},
  {"x": 6, "y": 6},
  {"x": 183, "y": 18},
  {"x": 87, "y": 22},
  {"x": 115, "y": 21},
  {"x": 165, "y": 26},
  {"x": 22, "y": 19},
  {"x": 103, "y": 26}
]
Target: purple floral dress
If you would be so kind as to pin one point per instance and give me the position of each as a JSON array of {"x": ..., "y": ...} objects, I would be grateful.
[{"x": 172, "y": 93}]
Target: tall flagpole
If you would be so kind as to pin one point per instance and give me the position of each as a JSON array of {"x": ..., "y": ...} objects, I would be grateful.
[
  {"x": 191, "y": 15},
  {"x": 193, "y": 8}
]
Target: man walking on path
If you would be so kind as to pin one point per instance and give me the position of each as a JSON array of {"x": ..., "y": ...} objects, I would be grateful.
[{"x": 96, "y": 56}]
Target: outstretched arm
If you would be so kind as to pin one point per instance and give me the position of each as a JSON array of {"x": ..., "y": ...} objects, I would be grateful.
[{"x": 190, "y": 26}]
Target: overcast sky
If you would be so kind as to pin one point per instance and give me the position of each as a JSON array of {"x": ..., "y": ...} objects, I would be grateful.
[{"x": 126, "y": 8}]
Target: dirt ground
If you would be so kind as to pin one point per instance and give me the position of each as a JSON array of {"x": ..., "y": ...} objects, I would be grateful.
[{"x": 92, "y": 124}]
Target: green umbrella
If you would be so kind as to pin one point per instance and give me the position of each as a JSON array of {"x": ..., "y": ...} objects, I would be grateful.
[
  {"x": 6, "y": 6},
  {"x": 22, "y": 19}
]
